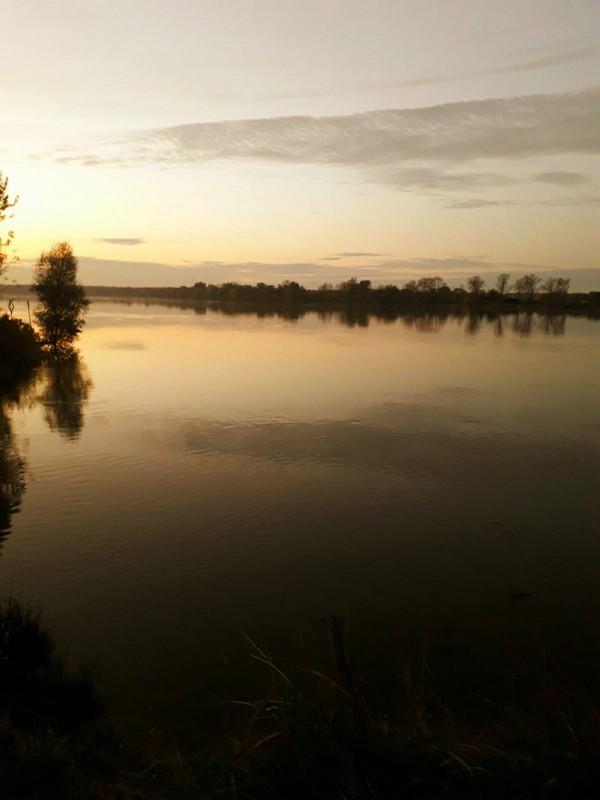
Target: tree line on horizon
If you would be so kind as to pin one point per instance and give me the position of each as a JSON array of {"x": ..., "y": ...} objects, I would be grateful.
[{"x": 529, "y": 289}]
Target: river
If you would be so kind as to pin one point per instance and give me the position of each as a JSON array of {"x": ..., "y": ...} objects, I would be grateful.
[{"x": 200, "y": 477}]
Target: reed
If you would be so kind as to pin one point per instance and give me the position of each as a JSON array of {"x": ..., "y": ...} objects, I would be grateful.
[{"x": 312, "y": 734}]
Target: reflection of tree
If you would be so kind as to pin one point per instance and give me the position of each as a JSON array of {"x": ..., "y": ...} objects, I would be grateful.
[
  {"x": 65, "y": 392},
  {"x": 12, "y": 468},
  {"x": 473, "y": 323},
  {"x": 424, "y": 321},
  {"x": 353, "y": 317},
  {"x": 522, "y": 323},
  {"x": 554, "y": 324}
]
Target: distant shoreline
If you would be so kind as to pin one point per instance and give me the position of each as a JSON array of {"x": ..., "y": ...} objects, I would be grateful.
[{"x": 378, "y": 301}]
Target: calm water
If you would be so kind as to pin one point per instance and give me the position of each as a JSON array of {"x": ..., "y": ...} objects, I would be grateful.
[{"x": 202, "y": 477}]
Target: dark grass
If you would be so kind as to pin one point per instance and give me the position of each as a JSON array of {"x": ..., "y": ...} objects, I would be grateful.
[{"x": 313, "y": 734}]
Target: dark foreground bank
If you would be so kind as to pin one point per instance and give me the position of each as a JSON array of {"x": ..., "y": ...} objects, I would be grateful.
[{"x": 313, "y": 735}]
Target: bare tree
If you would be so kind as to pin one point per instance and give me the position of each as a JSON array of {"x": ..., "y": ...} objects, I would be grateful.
[
  {"x": 527, "y": 286},
  {"x": 502, "y": 283},
  {"x": 556, "y": 288},
  {"x": 430, "y": 283},
  {"x": 476, "y": 284}
]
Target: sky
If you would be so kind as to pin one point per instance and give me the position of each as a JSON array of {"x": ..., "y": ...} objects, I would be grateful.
[{"x": 217, "y": 140}]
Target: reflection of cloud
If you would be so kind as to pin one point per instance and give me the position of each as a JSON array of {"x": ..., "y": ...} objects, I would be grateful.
[
  {"x": 333, "y": 443},
  {"x": 131, "y": 241},
  {"x": 422, "y": 444},
  {"x": 409, "y": 149}
]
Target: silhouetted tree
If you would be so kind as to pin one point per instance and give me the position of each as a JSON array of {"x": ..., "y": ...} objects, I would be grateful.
[
  {"x": 527, "y": 286},
  {"x": 5, "y": 205},
  {"x": 502, "y": 283},
  {"x": 430, "y": 283},
  {"x": 556, "y": 288},
  {"x": 476, "y": 285},
  {"x": 62, "y": 301}
]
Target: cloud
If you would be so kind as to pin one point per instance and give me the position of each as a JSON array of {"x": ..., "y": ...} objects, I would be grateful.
[
  {"x": 586, "y": 200},
  {"x": 340, "y": 256},
  {"x": 542, "y": 62},
  {"x": 455, "y": 269},
  {"x": 128, "y": 242},
  {"x": 431, "y": 180},
  {"x": 417, "y": 142},
  {"x": 546, "y": 61},
  {"x": 476, "y": 202},
  {"x": 561, "y": 178}
]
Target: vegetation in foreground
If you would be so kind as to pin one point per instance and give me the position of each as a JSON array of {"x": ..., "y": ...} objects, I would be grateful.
[{"x": 313, "y": 736}]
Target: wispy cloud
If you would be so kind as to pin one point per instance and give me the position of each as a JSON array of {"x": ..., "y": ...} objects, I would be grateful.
[
  {"x": 453, "y": 132},
  {"x": 542, "y": 62},
  {"x": 584, "y": 200},
  {"x": 340, "y": 256},
  {"x": 554, "y": 60},
  {"x": 562, "y": 178},
  {"x": 437, "y": 148},
  {"x": 475, "y": 202},
  {"x": 121, "y": 241}
]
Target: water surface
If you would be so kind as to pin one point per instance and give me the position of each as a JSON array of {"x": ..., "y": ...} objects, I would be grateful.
[{"x": 201, "y": 477}]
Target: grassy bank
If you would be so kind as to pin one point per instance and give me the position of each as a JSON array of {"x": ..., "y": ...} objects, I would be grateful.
[{"x": 313, "y": 735}]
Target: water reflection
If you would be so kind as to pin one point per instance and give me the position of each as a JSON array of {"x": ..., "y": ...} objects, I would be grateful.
[
  {"x": 62, "y": 387},
  {"x": 555, "y": 324},
  {"x": 12, "y": 470},
  {"x": 66, "y": 388},
  {"x": 424, "y": 320}
]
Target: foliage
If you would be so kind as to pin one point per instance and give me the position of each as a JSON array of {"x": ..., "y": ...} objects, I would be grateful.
[
  {"x": 5, "y": 205},
  {"x": 62, "y": 301},
  {"x": 20, "y": 351}
]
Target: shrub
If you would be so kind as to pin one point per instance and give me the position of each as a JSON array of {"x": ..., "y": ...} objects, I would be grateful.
[{"x": 20, "y": 351}]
